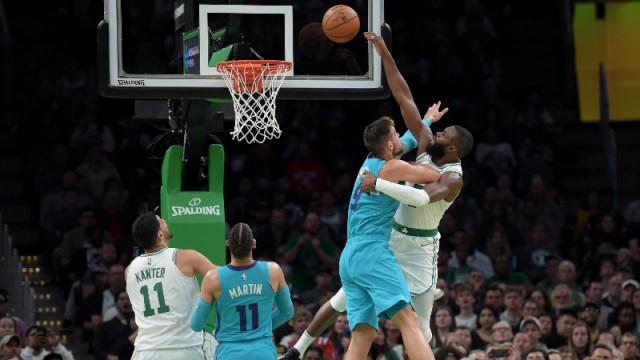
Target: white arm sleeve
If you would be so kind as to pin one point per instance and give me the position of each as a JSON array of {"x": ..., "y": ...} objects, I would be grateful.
[{"x": 404, "y": 194}]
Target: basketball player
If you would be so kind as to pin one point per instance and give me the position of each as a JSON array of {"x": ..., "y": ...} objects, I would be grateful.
[
  {"x": 163, "y": 292},
  {"x": 245, "y": 291},
  {"x": 414, "y": 238}
]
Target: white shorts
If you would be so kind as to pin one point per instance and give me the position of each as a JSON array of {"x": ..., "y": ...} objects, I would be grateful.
[
  {"x": 418, "y": 259},
  {"x": 190, "y": 353}
]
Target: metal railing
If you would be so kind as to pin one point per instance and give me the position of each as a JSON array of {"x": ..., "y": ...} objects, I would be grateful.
[{"x": 21, "y": 294}]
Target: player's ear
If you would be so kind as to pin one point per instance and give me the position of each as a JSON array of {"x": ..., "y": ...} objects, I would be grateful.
[
  {"x": 226, "y": 243},
  {"x": 253, "y": 246}
]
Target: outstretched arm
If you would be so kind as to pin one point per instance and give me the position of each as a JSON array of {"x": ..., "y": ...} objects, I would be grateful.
[
  {"x": 398, "y": 170},
  {"x": 210, "y": 291},
  {"x": 447, "y": 187},
  {"x": 398, "y": 85}
]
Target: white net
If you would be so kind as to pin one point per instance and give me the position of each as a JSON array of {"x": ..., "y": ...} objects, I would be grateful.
[{"x": 254, "y": 86}]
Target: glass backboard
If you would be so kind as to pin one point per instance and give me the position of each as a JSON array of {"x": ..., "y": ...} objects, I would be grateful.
[{"x": 167, "y": 49}]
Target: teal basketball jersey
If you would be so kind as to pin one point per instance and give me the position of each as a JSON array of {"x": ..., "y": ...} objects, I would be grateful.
[
  {"x": 243, "y": 310},
  {"x": 370, "y": 214}
]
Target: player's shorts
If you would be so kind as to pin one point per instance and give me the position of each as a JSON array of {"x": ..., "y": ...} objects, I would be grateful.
[
  {"x": 418, "y": 258},
  {"x": 372, "y": 280},
  {"x": 247, "y": 350},
  {"x": 190, "y": 353}
]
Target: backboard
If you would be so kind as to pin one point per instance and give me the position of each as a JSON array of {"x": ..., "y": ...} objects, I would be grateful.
[{"x": 156, "y": 49}]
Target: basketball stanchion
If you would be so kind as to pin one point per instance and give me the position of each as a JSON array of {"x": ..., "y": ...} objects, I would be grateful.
[{"x": 254, "y": 86}]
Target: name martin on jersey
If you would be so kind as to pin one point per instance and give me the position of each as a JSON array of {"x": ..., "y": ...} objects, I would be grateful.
[
  {"x": 148, "y": 274},
  {"x": 248, "y": 289}
]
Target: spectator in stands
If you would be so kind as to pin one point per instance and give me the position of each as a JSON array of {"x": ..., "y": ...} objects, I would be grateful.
[
  {"x": 464, "y": 300},
  {"x": 49, "y": 176},
  {"x": 588, "y": 207},
  {"x": 540, "y": 297},
  {"x": 501, "y": 332},
  {"x": 536, "y": 354},
  {"x": 274, "y": 236},
  {"x": 494, "y": 297},
  {"x": 589, "y": 316},
  {"x": 629, "y": 287},
  {"x": 602, "y": 352},
  {"x": 533, "y": 253},
  {"x": 566, "y": 276},
  {"x": 498, "y": 243},
  {"x": 566, "y": 320},
  {"x": 321, "y": 293},
  {"x": 531, "y": 326},
  {"x": 97, "y": 170},
  {"x": 482, "y": 334},
  {"x": 511, "y": 352},
  {"x": 443, "y": 324},
  {"x": 554, "y": 355},
  {"x": 476, "y": 259},
  {"x": 522, "y": 342},
  {"x": 7, "y": 326},
  {"x": 300, "y": 321},
  {"x": 623, "y": 319},
  {"x": 530, "y": 308},
  {"x": 629, "y": 346},
  {"x": 513, "y": 305},
  {"x": 114, "y": 338},
  {"x": 546, "y": 324},
  {"x": 313, "y": 353},
  {"x": 506, "y": 275},
  {"x": 331, "y": 214},
  {"x": 580, "y": 342},
  {"x": 101, "y": 304},
  {"x": 382, "y": 349},
  {"x": 308, "y": 251},
  {"x": 551, "y": 263},
  {"x": 74, "y": 240},
  {"x": 477, "y": 283},
  {"x": 306, "y": 174},
  {"x": 39, "y": 340},
  {"x": 593, "y": 297},
  {"x": 10, "y": 347},
  {"x": 614, "y": 291},
  {"x": 459, "y": 274},
  {"x": 19, "y": 326}
]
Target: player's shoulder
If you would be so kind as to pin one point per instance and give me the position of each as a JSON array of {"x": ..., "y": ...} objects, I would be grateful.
[{"x": 274, "y": 268}]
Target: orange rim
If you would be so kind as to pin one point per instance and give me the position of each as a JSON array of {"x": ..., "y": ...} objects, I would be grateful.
[{"x": 273, "y": 66}]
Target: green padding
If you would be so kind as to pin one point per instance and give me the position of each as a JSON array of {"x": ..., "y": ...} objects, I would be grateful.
[
  {"x": 196, "y": 218},
  {"x": 220, "y": 55}
]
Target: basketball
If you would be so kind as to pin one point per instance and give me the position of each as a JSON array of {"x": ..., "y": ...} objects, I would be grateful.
[
  {"x": 312, "y": 41},
  {"x": 341, "y": 23}
]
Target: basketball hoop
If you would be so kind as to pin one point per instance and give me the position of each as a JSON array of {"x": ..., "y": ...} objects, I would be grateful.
[{"x": 254, "y": 85}]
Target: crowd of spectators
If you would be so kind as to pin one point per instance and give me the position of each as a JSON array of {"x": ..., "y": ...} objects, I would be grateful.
[{"x": 525, "y": 277}]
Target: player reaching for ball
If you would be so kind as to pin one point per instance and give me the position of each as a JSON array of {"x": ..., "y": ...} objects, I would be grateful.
[{"x": 414, "y": 238}]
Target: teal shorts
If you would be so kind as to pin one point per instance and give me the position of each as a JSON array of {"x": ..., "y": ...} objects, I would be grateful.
[
  {"x": 247, "y": 350},
  {"x": 372, "y": 281}
]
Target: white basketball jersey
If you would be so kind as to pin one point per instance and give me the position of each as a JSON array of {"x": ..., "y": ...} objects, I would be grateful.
[
  {"x": 163, "y": 299},
  {"x": 426, "y": 217}
]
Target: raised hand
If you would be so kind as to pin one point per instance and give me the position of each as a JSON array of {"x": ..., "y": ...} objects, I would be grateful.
[
  {"x": 434, "y": 112},
  {"x": 377, "y": 41}
]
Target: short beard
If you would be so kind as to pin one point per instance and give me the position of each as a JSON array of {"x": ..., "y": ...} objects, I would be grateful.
[{"x": 435, "y": 150}]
